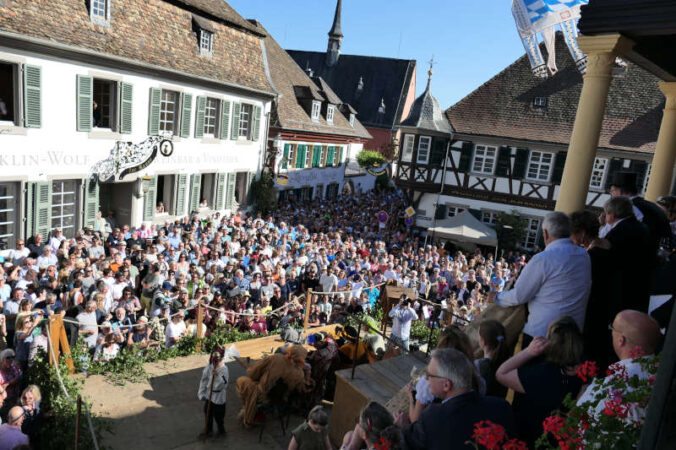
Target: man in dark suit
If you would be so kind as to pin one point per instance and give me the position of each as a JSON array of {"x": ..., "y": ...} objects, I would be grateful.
[
  {"x": 649, "y": 213},
  {"x": 449, "y": 424},
  {"x": 632, "y": 252}
]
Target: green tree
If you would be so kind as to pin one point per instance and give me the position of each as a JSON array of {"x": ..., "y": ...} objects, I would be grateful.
[
  {"x": 510, "y": 228},
  {"x": 369, "y": 159},
  {"x": 263, "y": 193}
]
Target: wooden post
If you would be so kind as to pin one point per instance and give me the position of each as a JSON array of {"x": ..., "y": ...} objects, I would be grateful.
[
  {"x": 519, "y": 345},
  {"x": 77, "y": 421},
  {"x": 59, "y": 341},
  {"x": 356, "y": 349},
  {"x": 200, "y": 321},
  {"x": 308, "y": 302}
]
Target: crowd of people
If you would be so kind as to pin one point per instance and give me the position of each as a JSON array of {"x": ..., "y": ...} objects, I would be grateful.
[{"x": 138, "y": 288}]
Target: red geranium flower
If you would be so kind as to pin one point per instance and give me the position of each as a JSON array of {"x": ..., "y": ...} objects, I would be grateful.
[
  {"x": 489, "y": 434},
  {"x": 514, "y": 444},
  {"x": 618, "y": 372},
  {"x": 587, "y": 370},
  {"x": 553, "y": 424}
]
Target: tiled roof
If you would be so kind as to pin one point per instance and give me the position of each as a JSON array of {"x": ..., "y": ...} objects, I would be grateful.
[
  {"x": 154, "y": 32},
  {"x": 385, "y": 79},
  {"x": 289, "y": 80},
  {"x": 426, "y": 114},
  {"x": 503, "y": 106}
]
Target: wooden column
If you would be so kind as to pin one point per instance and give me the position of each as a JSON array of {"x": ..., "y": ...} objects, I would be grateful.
[
  {"x": 601, "y": 53},
  {"x": 200, "y": 321},
  {"x": 59, "y": 341},
  {"x": 662, "y": 170},
  {"x": 308, "y": 302}
]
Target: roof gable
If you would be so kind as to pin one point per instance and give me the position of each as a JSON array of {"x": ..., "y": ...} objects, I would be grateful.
[
  {"x": 385, "y": 79},
  {"x": 154, "y": 32},
  {"x": 503, "y": 106}
]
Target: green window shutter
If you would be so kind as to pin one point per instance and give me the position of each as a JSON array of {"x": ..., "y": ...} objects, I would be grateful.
[
  {"x": 466, "y": 156},
  {"x": 503, "y": 161},
  {"x": 149, "y": 201},
  {"x": 520, "y": 163},
  {"x": 29, "y": 209},
  {"x": 42, "y": 208},
  {"x": 316, "y": 155},
  {"x": 85, "y": 98},
  {"x": 181, "y": 190},
  {"x": 196, "y": 181},
  {"x": 329, "y": 156},
  {"x": 340, "y": 156},
  {"x": 300, "y": 157},
  {"x": 251, "y": 177},
  {"x": 614, "y": 165},
  {"x": 225, "y": 119},
  {"x": 220, "y": 192},
  {"x": 154, "y": 111},
  {"x": 199, "y": 116},
  {"x": 186, "y": 115},
  {"x": 437, "y": 152},
  {"x": 640, "y": 168},
  {"x": 285, "y": 161},
  {"x": 91, "y": 203},
  {"x": 126, "y": 102},
  {"x": 230, "y": 191},
  {"x": 32, "y": 88},
  {"x": 559, "y": 164},
  {"x": 234, "y": 133},
  {"x": 256, "y": 122}
]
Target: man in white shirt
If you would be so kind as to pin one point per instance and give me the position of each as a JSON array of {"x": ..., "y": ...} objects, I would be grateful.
[
  {"x": 556, "y": 282},
  {"x": 213, "y": 389},
  {"x": 47, "y": 258},
  {"x": 328, "y": 280},
  {"x": 88, "y": 324},
  {"x": 18, "y": 254},
  {"x": 402, "y": 316},
  {"x": 634, "y": 334}
]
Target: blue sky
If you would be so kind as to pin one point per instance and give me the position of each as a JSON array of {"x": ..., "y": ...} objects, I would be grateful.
[{"x": 471, "y": 41}]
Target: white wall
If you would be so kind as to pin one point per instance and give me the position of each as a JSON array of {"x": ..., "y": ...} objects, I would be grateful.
[{"x": 57, "y": 150}]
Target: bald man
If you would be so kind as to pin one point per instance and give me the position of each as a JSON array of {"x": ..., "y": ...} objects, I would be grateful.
[
  {"x": 631, "y": 331},
  {"x": 10, "y": 432}
]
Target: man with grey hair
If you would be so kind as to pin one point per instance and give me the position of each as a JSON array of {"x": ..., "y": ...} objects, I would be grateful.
[
  {"x": 631, "y": 253},
  {"x": 449, "y": 424},
  {"x": 556, "y": 282},
  {"x": 88, "y": 325}
]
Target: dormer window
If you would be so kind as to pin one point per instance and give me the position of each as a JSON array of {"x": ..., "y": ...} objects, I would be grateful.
[
  {"x": 206, "y": 42},
  {"x": 330, "y": 111},
  {"x": 352, "y": 120},
  {"x": 316, "y": 108},
  {"x": 381, "y": 108},
  {"x": 99, "y": 11},
  {"x": 540, "y": 102}
]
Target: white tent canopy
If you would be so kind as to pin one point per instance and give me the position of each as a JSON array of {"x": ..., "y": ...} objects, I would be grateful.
[{"x": 465, "y": 228}]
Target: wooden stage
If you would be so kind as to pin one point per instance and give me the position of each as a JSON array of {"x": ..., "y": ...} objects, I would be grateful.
[
  {"x": 256, "y": 349},
  {"x": 380, "y": 381}
]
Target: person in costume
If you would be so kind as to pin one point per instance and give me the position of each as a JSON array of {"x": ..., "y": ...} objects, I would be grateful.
[{"x": 213, "y": 388}]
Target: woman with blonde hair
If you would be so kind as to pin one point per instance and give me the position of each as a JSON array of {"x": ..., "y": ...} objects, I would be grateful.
[{"x": 32, "y": 415}]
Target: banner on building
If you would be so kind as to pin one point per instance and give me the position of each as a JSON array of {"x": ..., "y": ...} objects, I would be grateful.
[
  {"x": 282, "y": 179},
  {"x": 543, "y": 17}
]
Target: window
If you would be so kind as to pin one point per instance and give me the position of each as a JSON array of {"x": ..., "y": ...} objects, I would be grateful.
[
  {"x": 540, "y": 166},
  {"x": 104, "y": 110},
  {"x": 64, "y": 206},
  {"x": 8, "y": 97},
  {"x": 211, "y": 114},
  {"x": 332, "y": 191},
  {"x": 337, "y": 153},
  {"x": 489, "y": 217},
  {"x": 598, "y": 173},
  {"x": 292, "y": 157},
  {"x": 99, "y": 11},
  {"x": 351, "y": 120},
  {"x": 308, "y": 156},
  {"x": 330, "y": 111},
  {"x": 454, "y": 210},
  {"x": 424, "y": 149},
  {"x": 245, "y": 121},
  {"x": 324, "y": 156},
  {"x": 206, "y": 42},
  {"x": 316, "y": 108},
  {"x": 540, "y": 102},
  {"x": 645, "y": 180},
  {"x": 169, "y": 111},
  {"x": 409, "y": 141},
  {"x": 484, "y": 159},
  {"x": 531, "y": 237},
  {"x": 8, "y": 201}
]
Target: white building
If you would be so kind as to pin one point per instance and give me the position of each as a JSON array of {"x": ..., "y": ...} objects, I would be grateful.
[{"x": 194, "y": 72}]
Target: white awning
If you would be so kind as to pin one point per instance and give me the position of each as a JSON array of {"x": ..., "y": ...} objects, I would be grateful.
[{"x": 465, "y": 228}]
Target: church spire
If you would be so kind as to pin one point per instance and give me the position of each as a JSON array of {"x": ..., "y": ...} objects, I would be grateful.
[
  {"x": 335, "y": 37},
  {"x": 430, "y": 73}
]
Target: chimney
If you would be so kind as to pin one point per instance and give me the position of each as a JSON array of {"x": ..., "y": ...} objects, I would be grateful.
[{"x": 335, "y": 37}]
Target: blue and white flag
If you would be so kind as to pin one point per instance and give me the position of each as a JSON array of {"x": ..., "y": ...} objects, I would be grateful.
[{"x": 535, "y": 17}]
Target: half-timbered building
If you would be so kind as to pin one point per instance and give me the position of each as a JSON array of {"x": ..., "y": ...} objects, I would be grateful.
[{"x": 510, "y": 138}]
